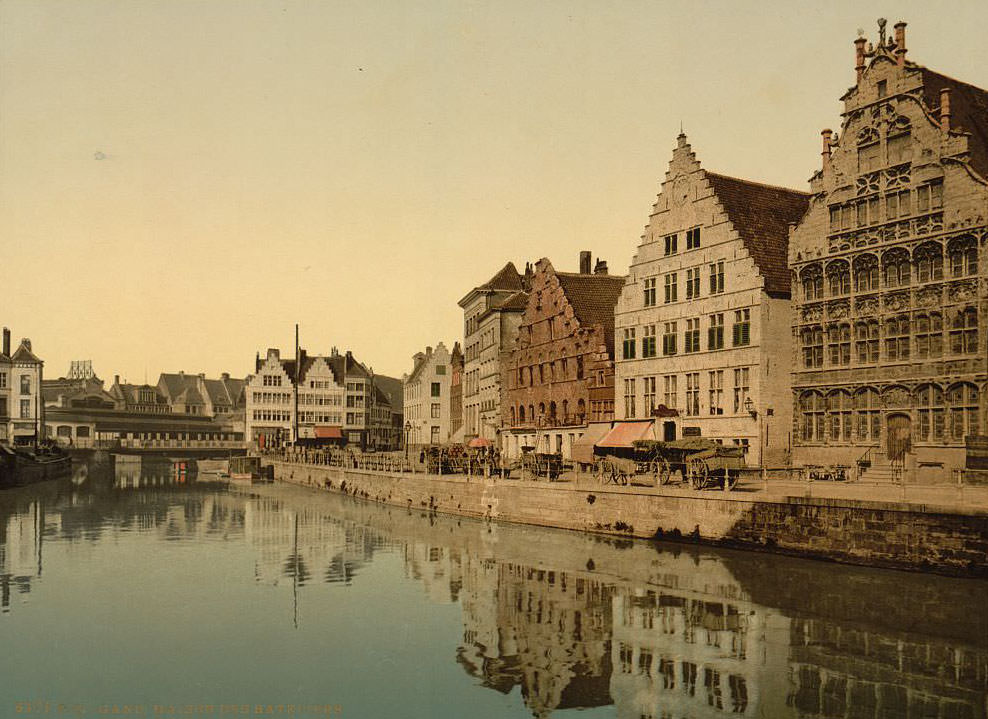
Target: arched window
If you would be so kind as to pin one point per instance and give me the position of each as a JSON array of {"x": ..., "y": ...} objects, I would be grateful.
[
  {"x": 899, "y": 141},
  {"x": 811, "y": 339},
  {"x": 865, "y": 273},
  {"x": 867, "y": 411},
  {"x": 839, "y": 416},
  {"x": 811, "y": 407},
  {"x": 929, "y": 335},
  {"x": 531, "y": 413},
  {"x": 868, "y": 150},
  {"x": 512, "y": 416},
  {"x": 962, "y": 404},
  {"x": 811, "y": 279},
  {"x": 928, "y": 259},
  {"x": 897, "y": 338},
  {"x": 565, "y": 410},
  {"x": 964, "y": 332},
  {"x": 929, "y": 406},
  {"x": 552, "y": 411},
  {"x": 866, "y": 341},
  {"x": 838, "y": 278},
  {"x": 541, "y": 410},
  {"x": 839, "y": 344},
  {"x": 581, "y": 409},
  {"x": 963, "y": 253},
  {"x": 895, "y": 267}
]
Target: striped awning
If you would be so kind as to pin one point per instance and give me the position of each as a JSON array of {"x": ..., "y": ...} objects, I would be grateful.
[{"x": 625, "y": 433}]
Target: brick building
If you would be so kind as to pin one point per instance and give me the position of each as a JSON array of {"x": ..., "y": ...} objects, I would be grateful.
[
  {"x": 456, "y": 393},
  {"x": 889, "y": 269},
  {"x": 560, "y": 373},
  {"x": 703, "y": 322}
]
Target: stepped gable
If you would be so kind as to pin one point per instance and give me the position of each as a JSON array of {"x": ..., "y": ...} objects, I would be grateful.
[
  {"x": 968, "y": 112},
  {"x": 761, "y": 215},
  {"x": 593, "y": 298}
]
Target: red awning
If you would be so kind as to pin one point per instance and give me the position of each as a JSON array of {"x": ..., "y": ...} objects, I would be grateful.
[
  {"x": 479, "y": 442},
  {"x": 624, "y": 433},
  {"x": 329, "y": 433}
]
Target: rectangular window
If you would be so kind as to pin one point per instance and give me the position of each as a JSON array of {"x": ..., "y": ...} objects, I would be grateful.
[
  {"x": 25, "y": 384},
  {"x": 670, "y": 244},
  {"x": 3, "y": 380},
  {"x": 692, "y": 394},
  {"x": 715, "y": 333},
  {"x": 669, "y": 393},
  {"x": 629, "y": 398},
  {"x": 716, "y": 391},
  {"x": 669, "y": 339},
  {"x": 741, "y": 387},
  {"x": 693, "y": 239},
  {"x": 648, "y": 397},
  {"x": 742, "y": 327},
  {"x": 899, "y": 149},
  {"x": 671, "y": 280},
  {"x": 648, "y": 341},
  {"x": 435, "y": 389},
  {"x": 693, "y": 283},
  {"x": 628, "y": 347},
  {"x": 716, "y": 277},
  {"x": 811, "y": 338},
  {"x": 25, "y": 409},
  {"x": 691, "y": 338},
  {"x": 835, "y": 218},
  {"x": 436, "y": 410},
  {"x": 868, "y": 157},
  {"x": 434, "y": 435},
  {"x": 649, "y": 292},
  {"x": 440, "y": 369}
]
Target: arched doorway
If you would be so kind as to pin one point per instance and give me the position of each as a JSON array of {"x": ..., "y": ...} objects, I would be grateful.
[{"x": 898, "y": 438}]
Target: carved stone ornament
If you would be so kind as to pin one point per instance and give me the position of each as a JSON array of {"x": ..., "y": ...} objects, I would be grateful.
[
  {"x": 896, "y": 397},
  {"x": 866, "y": 305},
  {"x": 839, "y": 310},
  {"x": 813, "y": 313},
  {"x": 929, "y": 296},
  {"x": 897, "y": 301},
  {"x": 964, "y": 290}
]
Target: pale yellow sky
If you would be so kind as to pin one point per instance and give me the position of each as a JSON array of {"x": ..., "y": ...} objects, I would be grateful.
[{"x": 182, "y": 181}]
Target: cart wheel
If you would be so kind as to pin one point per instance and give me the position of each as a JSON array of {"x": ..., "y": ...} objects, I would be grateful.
[
  {"x": 664, "y": 471},
  {"x": 697, "y": 472}
]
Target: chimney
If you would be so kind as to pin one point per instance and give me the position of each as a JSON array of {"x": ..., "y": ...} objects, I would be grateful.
[
  {"x": 225, "y": 376},
  {"x": 116, "y": 379},
  {"x": 859, "y": 57},
  {"x": 585, "y": 262},
  {"x": 600, "y": 268},
  {"x": 827, "y": 143},
  {"x": 202, "y": 375},
  {"x": 6, "y": 341},
  {"x": 26, "y": 342},
  {"x": 900, "y": 43},
  {"x": 945, "y": 109},
  {"x": 428, "y": 351}
]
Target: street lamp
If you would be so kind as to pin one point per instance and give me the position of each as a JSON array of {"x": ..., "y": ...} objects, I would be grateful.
[
  {"x": 749, "y": 407},
  {"x": 408, "y": 431}
]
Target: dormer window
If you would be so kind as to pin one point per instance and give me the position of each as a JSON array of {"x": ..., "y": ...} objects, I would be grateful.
[
  {"x": 899, "y": 141},
  {"x": 883, "y": 88},
  {"x": 671, "y": 242}
]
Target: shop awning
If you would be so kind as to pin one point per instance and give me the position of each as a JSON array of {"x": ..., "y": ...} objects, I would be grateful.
[
  {"x": 329, "y": 432},
  {"x": 583, "y": 447},
  {"x": 625, "y": 433}
]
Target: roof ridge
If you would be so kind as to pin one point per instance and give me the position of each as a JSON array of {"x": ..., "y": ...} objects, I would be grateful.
[{"x": 756, "y": 183}]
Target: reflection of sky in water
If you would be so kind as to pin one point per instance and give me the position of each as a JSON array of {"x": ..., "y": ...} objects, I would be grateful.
[{"x": 185, "y": 592}]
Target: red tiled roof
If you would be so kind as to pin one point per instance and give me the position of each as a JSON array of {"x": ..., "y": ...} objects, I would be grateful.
[
  {"x": 968, "y": 112},
  {"x": 506, "y": 279},
  {"x": 593, "y": 298},
  {"x": 761, "y": 215}
]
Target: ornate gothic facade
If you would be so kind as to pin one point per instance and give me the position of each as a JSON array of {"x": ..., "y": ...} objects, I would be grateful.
[{"x": 889, "y": 273}]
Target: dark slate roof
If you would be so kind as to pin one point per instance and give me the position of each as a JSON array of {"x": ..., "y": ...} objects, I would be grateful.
[
  {"x": 392, "y": 389},
  {"x": 23, "y": 354},
  {"x": 761, "y": 215},
  {"x": 190, "y": 395},
  {"x": 506, "y": 279},
  {"x": 968, "y": 112},
  {"x": 515, "y": 303},
  {"x": 593, "y": 298}
]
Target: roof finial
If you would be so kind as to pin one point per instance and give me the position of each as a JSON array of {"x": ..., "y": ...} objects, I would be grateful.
[
  {"x": 881, "y": 31},
  {"x": 681, "y": 126}
]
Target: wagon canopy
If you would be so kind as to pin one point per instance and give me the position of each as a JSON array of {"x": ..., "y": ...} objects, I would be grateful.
[{"x": 583, "y": 447}]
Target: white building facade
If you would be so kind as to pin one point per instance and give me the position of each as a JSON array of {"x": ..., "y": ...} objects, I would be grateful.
[
  {"x": 21, "y": 405},
  {"x": 701, "y": 328},
  {"x": 427, "y": 397}
]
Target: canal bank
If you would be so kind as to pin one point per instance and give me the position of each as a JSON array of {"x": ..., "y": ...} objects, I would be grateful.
[{"x": 943, "y": 537}]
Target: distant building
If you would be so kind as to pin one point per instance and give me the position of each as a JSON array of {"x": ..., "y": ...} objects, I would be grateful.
[
  {"x": 427, "y": 396},
  {"x": 703, "y": 322},
  {"x": 337, "y": 395},
  {"x": 491, "y": 316},
  {"x": 889, "y": 310},
  {"x": 560, "y": 373},
  {"x": 456, "y": 393},
  {"x": 139, "y": 398},
  {"x": 21, "y": 407}
]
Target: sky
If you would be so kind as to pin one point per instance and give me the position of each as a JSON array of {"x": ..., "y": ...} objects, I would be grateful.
[{"x": 183, "y": 181}]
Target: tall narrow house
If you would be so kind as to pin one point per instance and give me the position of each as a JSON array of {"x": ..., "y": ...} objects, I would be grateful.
[
  {"x": 702, "y": 323},
  {"x": 889, "y": 269}
]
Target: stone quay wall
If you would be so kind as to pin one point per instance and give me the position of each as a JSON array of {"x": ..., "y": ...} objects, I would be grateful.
[{"x": 883, "y": 534}]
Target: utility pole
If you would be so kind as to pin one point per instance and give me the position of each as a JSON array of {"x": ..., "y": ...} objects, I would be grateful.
[{"x": 298, "y": 362}]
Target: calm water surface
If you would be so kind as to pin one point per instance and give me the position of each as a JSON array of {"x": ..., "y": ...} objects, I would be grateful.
[{"x": 131, "y": 590}]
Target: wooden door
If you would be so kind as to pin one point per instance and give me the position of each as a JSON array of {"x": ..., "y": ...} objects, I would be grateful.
[{"x": 898, "y": 438}]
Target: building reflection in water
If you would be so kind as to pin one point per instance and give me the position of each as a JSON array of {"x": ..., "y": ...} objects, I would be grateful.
[{"x": 671, "y": 633}]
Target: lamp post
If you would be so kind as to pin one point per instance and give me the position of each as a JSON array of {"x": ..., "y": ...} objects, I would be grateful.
[
  {"x": 408, "y": 431},
  {"x": 749, "y": 407}
]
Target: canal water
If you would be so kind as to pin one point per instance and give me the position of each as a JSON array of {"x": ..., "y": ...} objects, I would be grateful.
[{"x": 149, "y": 592}]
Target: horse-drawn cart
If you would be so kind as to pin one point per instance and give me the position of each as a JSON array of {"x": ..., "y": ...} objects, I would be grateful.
[{"x": 702, "y": 463}]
